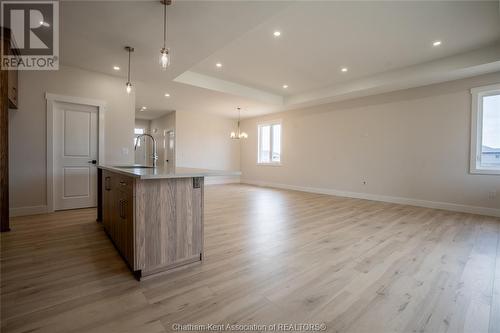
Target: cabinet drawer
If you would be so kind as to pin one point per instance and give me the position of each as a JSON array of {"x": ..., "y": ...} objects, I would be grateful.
[{"x": 123, "y": 183}]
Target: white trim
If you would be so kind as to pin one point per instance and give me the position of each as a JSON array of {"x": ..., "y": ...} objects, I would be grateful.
[
  {"x": 218, "y": 180},
  {"x": 276, "y": 164},
  {"x": 74, "y": 100},
  {"x": 228, "y": 87},
  {"x": 485, "y": 88},
  {"x": 101, "y": 110},
  {"x": 270, "y": 121},
  {"x": 375, "y": 197},
  {"x": 477, "y": 62},
  {"x": 476, "y": 127},
  {"x": 23, "y": 211}
]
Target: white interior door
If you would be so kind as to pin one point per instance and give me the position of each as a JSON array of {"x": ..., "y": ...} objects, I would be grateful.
[
  {"x": 170, "y": 148},
  {"x": 75, "y": 155}
]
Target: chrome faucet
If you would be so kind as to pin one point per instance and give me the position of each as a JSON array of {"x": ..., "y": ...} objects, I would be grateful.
[{"x": 155, "y": 155}]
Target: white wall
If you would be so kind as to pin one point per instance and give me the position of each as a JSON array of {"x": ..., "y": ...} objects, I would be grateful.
[
  {"x": 141, "y": 154},
  {"x": 143, "y": 123},
  {"x": 27, "y": 128},
  {"x": 409, "y": 146},
  {"x": 202, "y": 141}
]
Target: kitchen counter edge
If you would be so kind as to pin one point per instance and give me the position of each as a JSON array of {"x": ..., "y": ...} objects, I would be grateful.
[{"x": 165, "y": 173}]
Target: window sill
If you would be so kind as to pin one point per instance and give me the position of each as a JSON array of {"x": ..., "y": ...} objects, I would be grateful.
[
  {"x": 485, "y": 171},
  {"x": 270, "y": 164}
]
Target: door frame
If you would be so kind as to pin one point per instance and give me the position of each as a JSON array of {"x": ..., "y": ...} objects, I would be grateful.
[{"x": 51, "y": 100}]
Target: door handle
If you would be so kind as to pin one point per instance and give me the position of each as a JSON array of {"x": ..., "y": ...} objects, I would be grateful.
[
  {"x": 93, "y": 162},
  {"x": 122, "y": 209}
]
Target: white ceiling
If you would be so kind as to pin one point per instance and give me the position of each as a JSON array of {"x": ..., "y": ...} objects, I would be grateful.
[
  {"x": 385, "y": 44},
  {"x": 319, "y": 38}
]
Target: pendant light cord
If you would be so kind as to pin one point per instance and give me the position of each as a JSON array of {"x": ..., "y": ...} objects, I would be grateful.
[
  {"x": 129, "y": 51},
  {"x": 239, "y": 118},
  {"x": 165, "y": 24}
]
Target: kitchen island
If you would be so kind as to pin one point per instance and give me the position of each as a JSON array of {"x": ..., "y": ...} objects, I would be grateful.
[{"x": 154, "y": 216}]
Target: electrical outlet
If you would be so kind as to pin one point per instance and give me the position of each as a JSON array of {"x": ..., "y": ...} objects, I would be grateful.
[{"x": 492, "y": 195}]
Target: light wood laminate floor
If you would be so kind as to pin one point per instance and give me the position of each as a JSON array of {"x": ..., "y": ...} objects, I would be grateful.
[{"x": 272, "y": 256}]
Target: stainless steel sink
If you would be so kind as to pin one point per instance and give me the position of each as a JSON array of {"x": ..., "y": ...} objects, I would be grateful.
[{"x": 133, "y": 167}]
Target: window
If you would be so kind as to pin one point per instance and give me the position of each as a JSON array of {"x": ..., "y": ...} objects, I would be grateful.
[
  {"x": 269, "y": 145},
  {"x": 485, "y": 137},
  {"x": 137, "y": 132}
]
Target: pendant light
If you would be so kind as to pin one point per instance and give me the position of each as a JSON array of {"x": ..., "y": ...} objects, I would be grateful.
[
  {"x": 239, "y": 134},
  {"x": 129, "y": 84},
  {"x": 165, "y": 52}
]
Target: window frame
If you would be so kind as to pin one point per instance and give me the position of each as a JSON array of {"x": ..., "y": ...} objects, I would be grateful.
[
  {"x": 270, "y": 123},
  {"x": 477, "y": 128},
  {"x": 136, "y": 135}
]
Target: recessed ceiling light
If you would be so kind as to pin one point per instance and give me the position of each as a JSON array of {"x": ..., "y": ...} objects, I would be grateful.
[
  {"x": 436, "y": 43},
  {"x": 143, "y": 108},
  {"x": 285, "y": 86},
  {"x": 167, "y": 95},
  {"x": 219, "y": 65},
  {"x": 277, "y": 33},
  {"x": 116, "y": 68},
  {"x": 344, "y": 69}
]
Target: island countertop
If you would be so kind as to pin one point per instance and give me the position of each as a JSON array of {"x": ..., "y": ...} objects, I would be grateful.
[{"x": 166, "y": 172}]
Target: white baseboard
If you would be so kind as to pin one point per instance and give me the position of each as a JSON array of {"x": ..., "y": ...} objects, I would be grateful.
[
  {"x": 217, "y": 180},
  {"x": 23, "y": 211},
  {"x": 32, "y": 210},
  {"x": 375, "y": 197}
]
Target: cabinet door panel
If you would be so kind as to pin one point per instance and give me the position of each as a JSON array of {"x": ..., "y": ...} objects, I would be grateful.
[
  {"x": 124, "y": 225},
  {"x": 107, "y": 200},
  {"x": 128, "y": 228},
  {"x": 118, "y": 222},
  {"x": 118, "y": 212}
]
